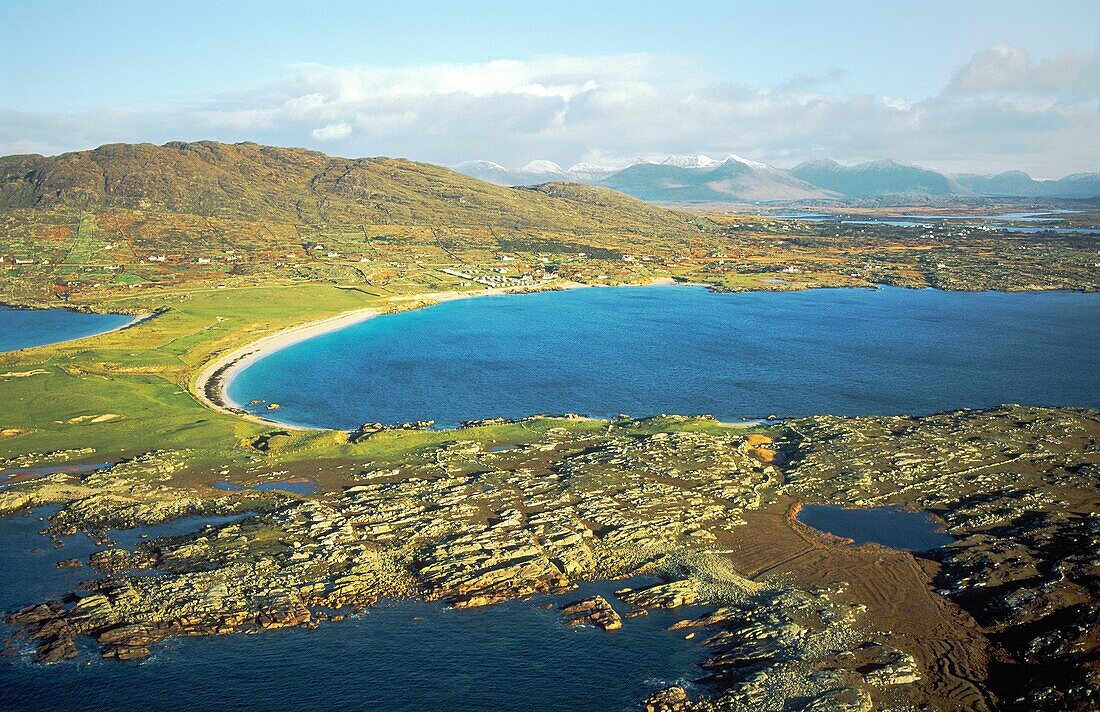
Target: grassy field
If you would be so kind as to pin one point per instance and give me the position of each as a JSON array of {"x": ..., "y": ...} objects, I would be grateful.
[
  {"x": 129, "y": 392},
  {"x": 121, "y": 394},
  {"x": 141, "y": 374}
]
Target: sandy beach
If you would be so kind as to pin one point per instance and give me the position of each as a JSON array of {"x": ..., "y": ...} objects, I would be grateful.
[{"x": 211, "y": 385}]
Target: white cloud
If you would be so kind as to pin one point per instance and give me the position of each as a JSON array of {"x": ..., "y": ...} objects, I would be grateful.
[
  {"x": 332, "y": 132},
  {"x": 1002, "y": 110},
  {"x": 1004, "y": 69}
]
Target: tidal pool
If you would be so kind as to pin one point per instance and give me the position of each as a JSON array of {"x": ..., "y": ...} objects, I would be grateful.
[
  {"x": 11, "y": 475},
  {"x": 24, "y": 328},
  {"x": 894, "y": 527},
  {"x": 677, "y": 349},
  {"x": 298, "y": 485}
]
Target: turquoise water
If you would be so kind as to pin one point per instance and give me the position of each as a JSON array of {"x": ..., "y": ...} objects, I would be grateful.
[
  {"x": 677, "y": 349},
  {"x": 400, "y": 656},
  {"x": 890, "y": 526},
  {"x": 23, "y": 328}
]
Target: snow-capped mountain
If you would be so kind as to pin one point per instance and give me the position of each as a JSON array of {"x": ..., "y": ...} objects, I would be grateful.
[
  {"x": 543, "y": 167},
  {"x": 696, "y": 161},
  {"x": 541, "y": 170},
  {"x": 675, "y": 178},
  {"x": 594, "y": 172},
  {"x": 734, "y": 158},
  {"x": 586, "y": 172},
  {"x": 532, "y": 173},
  {"x": 698, "y": 178},
  {"x": 484, "y": 170}
]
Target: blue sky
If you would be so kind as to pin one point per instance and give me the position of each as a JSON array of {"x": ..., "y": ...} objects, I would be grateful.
[{"x": 961, "y": 86}]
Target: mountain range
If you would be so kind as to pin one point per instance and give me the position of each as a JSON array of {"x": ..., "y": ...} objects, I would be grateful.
[
  {"x": 252, "y": 182},
  {"x": 701, "y": 179}
]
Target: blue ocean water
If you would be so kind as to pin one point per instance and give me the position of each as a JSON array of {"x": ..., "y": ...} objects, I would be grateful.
[
  {"x": 23, "y": 328},
  {"x": 400, "y": 656},
  {"x": 890, "y": 526},
  {"x": 678, "y": 349}
]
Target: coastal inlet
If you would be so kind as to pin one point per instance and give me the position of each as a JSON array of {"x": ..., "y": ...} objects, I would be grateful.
[
  {"x": 26, "y": 328},
  {"x": 679, "y": 349}
]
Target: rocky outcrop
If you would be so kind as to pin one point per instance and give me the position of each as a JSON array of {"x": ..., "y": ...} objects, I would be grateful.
[
  {"x": 1016, "y": 487},
  {"x": 463, "y": 525},
  {"x": 592, "y": 611},
  {"x": 670, "y": 699},
  {"x": 665, "y": 595}
]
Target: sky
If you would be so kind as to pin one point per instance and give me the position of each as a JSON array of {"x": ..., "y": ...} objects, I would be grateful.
[{"x": 972, "y": 86}]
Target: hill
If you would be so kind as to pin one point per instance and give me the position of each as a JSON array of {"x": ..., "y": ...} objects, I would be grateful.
[
  {"x": 247, "y": 181},
  {"x": 83, "y": 225}
]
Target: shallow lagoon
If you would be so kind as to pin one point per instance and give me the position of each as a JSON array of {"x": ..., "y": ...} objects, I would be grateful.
[
  {"x": 677, "y": 349},
  {"x": 24, "y": 328}
]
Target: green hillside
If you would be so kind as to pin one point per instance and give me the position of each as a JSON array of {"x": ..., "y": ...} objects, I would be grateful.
[{"x": 247, "y": 181}]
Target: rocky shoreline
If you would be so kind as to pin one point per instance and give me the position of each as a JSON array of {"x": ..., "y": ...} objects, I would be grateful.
[{"x": 791, "y": 616}]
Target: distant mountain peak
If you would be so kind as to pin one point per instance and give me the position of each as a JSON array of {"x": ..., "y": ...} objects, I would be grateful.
[
  {"x": 688, "y": 178},
  {"x": 542, "y": 166},
  {"x": 479, "y": 164},
  {"x": 734, "y": 158},
  {"x": 883, "y": 177},
  {"x": 888, "y": 163},
  {"x": 693, "y": 161},
  {"x": 821, "y": 163}
]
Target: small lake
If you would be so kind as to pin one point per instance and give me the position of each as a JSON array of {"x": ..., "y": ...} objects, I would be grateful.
[
  {"x": 929, "y": 221},
  {"x": 890, "y": 526},
  {"x": 24, "y": 328},
  {"x": 678, "y": 349},
  {"x": 400, "y": 656}
]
